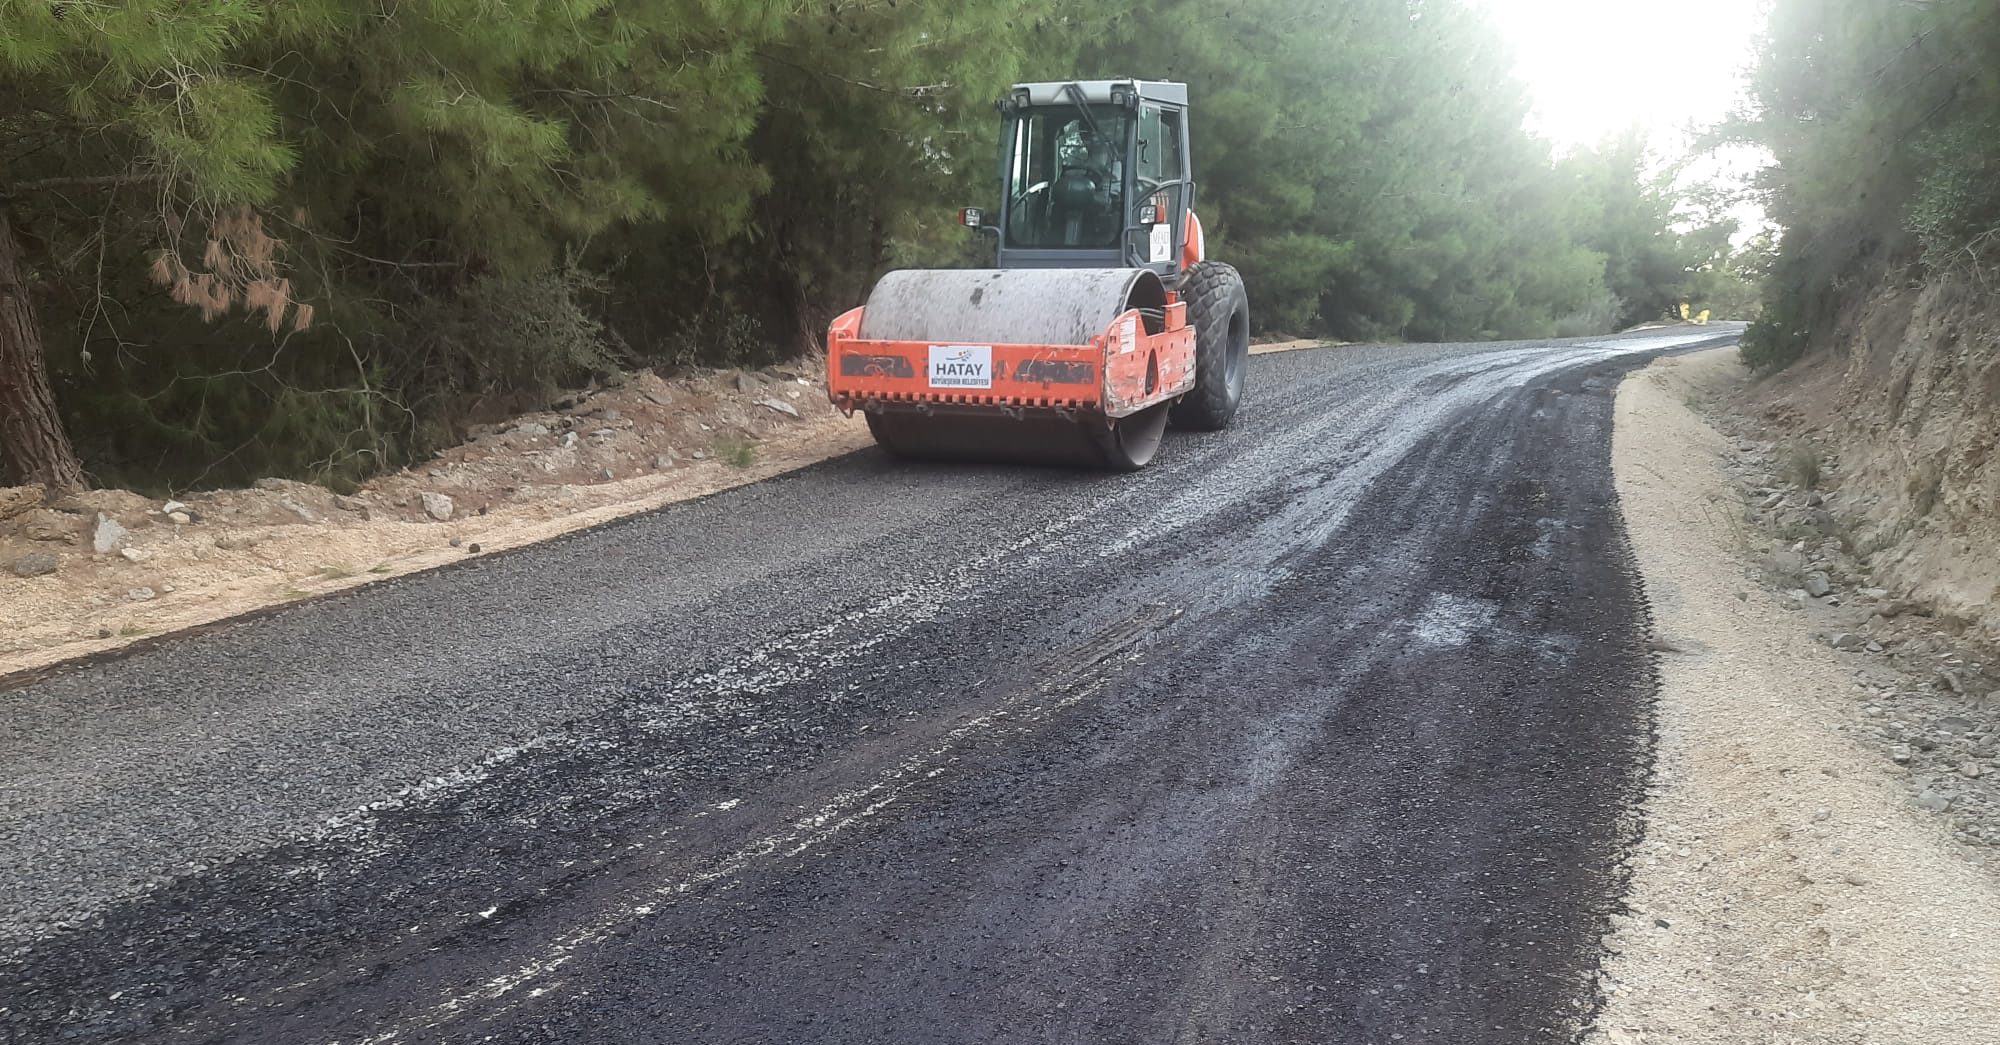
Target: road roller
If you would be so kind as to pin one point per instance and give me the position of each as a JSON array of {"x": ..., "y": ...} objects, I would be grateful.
[{"x": 1102, "y": 323}]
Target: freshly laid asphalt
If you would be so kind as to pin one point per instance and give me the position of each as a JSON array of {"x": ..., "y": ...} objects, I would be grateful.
[{"x": 1327, "y": 728}]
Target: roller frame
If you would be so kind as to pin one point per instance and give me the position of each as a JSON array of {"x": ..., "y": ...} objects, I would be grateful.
[{"x": 1027, "y": 378}]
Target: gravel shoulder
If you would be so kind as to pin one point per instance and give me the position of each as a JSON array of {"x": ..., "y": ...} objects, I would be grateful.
[{"x": 1790, "y": 887}]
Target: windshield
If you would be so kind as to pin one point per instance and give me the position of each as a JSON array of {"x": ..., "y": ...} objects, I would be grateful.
[{"x": 1066, "y": 185}]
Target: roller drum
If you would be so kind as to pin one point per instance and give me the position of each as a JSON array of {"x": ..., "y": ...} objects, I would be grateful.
[
  {"x": 1005, "y": 306},
  {"x": 1012, "y": 307}
]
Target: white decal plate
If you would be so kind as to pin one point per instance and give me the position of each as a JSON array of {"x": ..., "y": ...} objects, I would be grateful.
[
  {"x": 961, "y": 366},
  {"x": 1128, "y": 335},
  {"x": 1163, "y": 242}
]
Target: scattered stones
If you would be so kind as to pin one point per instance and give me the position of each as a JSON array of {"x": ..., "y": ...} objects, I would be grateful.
[
  {"x": 472, "y": 549},
  {"x": 436, "y": 505},
  {"x": 1846, "y": 641},
  {"x": 141, "y": 595},
  {"x": 1954, "y": 725},
  {"x": 235, "y": 542},
  {"x": 1933, "y": 801},
  {"x": 605, "y": 474},
  {"x": 662, "y": 462},
  {"x": 133, "y": 555},
  {"x": 528, "y": 428},
  {"x": 1772, "y": 501},
  {"x": 780, "y": 406},
  {"x": 454, "y": 542},
  {"x": 701, "y": 455},
  {"x": 180, "y": 518},
  {"x": 35, "y": 564},
  {"x": 1971, "y": 770},
  {"x": 47, "y": 524},
  {"x": 171, "y": 507},
  {"x": 352, "y": 504},
  {"x": 1817, "y": 583},
  {"x": 106, "y": 536},
  {"x": 569, "y": 440}
]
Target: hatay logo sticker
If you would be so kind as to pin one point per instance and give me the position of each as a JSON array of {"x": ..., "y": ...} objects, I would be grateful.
[{"x": 961, "y": 366}]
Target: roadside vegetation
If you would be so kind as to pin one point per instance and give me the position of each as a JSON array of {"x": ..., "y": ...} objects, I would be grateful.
[
  {"x": 1885, "y": 121},
  {"x": 323, "y": 238}
]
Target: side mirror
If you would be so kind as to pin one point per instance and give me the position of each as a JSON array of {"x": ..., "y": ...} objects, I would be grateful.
[{"x": 975, "y": 219}]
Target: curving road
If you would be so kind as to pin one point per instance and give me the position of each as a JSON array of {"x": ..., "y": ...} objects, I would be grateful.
[{"x": 1323, "y": 729}]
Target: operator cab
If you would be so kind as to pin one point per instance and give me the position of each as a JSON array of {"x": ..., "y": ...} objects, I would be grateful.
[{"x": 1096, "y": 175}]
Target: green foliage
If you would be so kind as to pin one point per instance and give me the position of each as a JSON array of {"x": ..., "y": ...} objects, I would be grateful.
[
  {"x": 509, "y": 340},
  {"x": 737, "y": 453},
  {"x": 1802, "y": 466},
  {"x": 1883, "y": 120},
  {"x": 1956, "y": 212},
  {"x": 482, "y": 202}
]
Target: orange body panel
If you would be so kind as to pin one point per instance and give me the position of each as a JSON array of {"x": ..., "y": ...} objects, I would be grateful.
[{"x": 1120, "y": 372}]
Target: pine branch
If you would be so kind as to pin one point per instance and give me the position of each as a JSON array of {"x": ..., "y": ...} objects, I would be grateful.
[{"x": 82, "y": 181}]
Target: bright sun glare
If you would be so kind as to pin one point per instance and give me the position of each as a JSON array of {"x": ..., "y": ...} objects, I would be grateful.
[{"x": 1598, "y": 67}]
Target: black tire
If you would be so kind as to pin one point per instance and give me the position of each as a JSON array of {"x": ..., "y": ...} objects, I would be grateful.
[{"x": 1219, "y": 311}]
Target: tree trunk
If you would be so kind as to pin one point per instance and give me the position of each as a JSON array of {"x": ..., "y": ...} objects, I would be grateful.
[{"x": 33, "y": 446}]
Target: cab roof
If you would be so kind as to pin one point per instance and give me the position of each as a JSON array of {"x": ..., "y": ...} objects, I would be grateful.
[{"x": 1099, "y": 91}]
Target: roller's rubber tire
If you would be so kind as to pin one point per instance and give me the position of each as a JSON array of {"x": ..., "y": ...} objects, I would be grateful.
[{"x": 1219, "y": 311}]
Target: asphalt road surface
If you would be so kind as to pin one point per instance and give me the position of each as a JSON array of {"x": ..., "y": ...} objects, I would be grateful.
[{"x": 1323, "y": 729}]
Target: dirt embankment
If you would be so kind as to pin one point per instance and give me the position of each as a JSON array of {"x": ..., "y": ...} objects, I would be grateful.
[
  {"x": 106, "y": 568},
  {"x": 1902, "y": 410}
]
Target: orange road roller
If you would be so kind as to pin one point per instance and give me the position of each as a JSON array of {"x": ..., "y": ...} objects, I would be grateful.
[{"x": 1103, "y": 323}]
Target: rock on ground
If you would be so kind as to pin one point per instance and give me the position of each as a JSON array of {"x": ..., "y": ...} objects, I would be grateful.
[
  {"x": 35, "y": 564},
  {"x": 18, "y": 500},
  {"x": 104, "y": 539}
]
